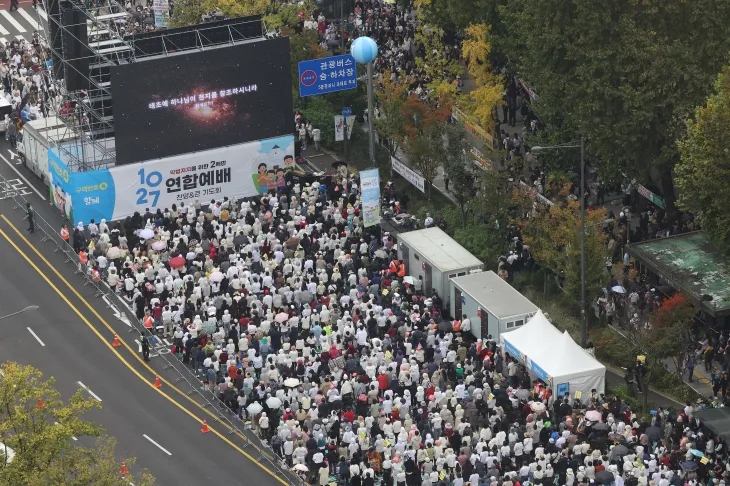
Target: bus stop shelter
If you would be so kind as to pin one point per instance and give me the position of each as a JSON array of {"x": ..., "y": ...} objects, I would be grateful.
[{"x": 689, "y": 263}]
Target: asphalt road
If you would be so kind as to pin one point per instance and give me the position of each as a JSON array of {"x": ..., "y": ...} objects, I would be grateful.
[
  {"x": 76, "y": 350},
  {"x": 62, "y": 345}
]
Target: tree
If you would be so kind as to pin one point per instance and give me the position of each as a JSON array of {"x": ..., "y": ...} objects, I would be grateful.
[
  {"x": 419, "y": 117},
  {"x": 189, "y": 12},
  {"x": 704, "y": 167},
  {"x": 391, "y": 97},
  {"x": 669, "y": 333},
  {"x": 480, "y": 103},
  {"x": 424, "y": 143},
  {"x": 624, "y": 74},
  {"x": 44, "y": 453},
  {"x": 425, "y": 151},
  {"x": 437, "y": 61},
  {"x": 458, "y": 168},
  {"x": 552, "y": 234},
  {"x": 459, "y": 14},
  {"x": 303, "y": 46}
]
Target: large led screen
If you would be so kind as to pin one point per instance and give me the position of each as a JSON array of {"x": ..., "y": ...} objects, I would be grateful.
[{"x": 197, "y": 101}]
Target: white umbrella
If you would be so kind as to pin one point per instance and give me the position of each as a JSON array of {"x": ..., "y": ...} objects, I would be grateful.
[
  {"x": 537, "y": 406},
  {"x": 380, "y": 254},
  {"x": 291, "y": 382},
  {"x": 281, "y": 317},
  {"x": 593, "y": 415},
  {"x": 408, "y": 280},
  {"x": 146, "y": 234},
  {"x": 255, "y": 408},
  {"x": 618, "y": 289},
  {"x": 159, "y": 245},
  {"x": 301, "y": 467},
  {"x": 273, "y": 402},
  {"x": 216, "y": 276}
]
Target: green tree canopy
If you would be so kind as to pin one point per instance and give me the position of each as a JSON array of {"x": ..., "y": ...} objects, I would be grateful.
[
  {"x": 458, "y": 168},
  {"x": 625, "y": 74},
  {"x": 704, "y": 168},
  {"x": 38, "y": 426}
]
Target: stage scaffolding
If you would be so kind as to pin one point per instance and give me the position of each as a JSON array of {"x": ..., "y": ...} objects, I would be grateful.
[{"x": 86, "y": 41}]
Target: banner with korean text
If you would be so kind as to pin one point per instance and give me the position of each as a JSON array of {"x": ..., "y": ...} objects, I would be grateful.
[
  {"x": 370, "y": 184},
  {"x": 408, "y": 174},
  {"x": 236, "y": 171}
]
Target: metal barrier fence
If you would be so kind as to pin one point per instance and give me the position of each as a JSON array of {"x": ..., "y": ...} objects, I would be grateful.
[{"x": 263, "y": 451}]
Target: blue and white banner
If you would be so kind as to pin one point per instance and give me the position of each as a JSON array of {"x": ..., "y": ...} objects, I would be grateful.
[
  {"x": 236, "y": 171},
  {"x": 511, "y": 350},
  {"x": 370, "y": 184},
  {"x": 161, "y": 9}
]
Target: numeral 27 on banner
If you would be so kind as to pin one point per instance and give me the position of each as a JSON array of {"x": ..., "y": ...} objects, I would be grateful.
[{"x": 153, "y": 179}]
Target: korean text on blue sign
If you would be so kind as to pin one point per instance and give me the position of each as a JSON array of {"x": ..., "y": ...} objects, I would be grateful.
[{"x": 327, "y": 75}]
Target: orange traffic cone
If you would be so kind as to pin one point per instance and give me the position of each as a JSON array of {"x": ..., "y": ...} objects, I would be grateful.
[
  {"x": 205, "y": 428},
  {"x": 116, "y": 342},
  {"x": 158, "y": 383},
  {"x": 124, "y": 471},
  {"x": 41, "y": 403}
]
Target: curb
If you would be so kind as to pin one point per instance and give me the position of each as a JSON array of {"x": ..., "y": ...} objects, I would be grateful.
[{"x": 618, "y": 372}]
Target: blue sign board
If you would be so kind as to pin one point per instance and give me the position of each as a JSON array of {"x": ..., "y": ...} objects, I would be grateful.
[
  {"x": 540, "y": 373},
  {"x": 346, "y": 111},
  {"x": 327, "y": 75},
  {"x": 514, "y": 352},
  {"x": 563, "y": 389}
]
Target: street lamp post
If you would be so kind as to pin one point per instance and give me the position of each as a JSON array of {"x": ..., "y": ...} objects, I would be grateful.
[
  {"x": 26, "y": 309},
  {"x": 365, "y": 50},
  {"x": 583, "y": 321}
]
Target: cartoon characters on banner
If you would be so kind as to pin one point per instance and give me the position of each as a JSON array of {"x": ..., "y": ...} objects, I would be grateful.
[{"x": 271, "y": 171}]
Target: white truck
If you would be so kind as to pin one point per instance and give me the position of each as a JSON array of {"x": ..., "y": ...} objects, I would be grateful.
[{"x": 36, "y": 137}]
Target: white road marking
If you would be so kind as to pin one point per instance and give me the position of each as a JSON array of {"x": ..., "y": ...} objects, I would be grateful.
[
  {"x": 14, "y": 22},
  {"x": 117, "y": 313},
  {"x": 31, "y": 330},
  {"x": 3, "y": 39},
  {"x": 167, "y": 342},
  {"x": 20, "y": 37},
  {"x": 94, "y": 395},
  {"x": 74, "y": 438},
  {"x": 43, "y": 13},
  {"x": 18, "y": 172},
  {"x": 4, "y": 31},
  {"x": 158, "y": 445},
  {"x": 33, "y": 22}
]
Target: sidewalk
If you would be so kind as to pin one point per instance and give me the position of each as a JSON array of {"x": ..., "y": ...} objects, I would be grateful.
[
  {"x": 320, "y": 160},
  {"x": 701, "y": 383}
]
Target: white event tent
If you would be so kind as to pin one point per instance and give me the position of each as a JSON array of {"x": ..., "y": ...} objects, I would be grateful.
[{"x": 554, "y": 358}]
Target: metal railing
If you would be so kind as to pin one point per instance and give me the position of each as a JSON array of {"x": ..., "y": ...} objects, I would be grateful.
[{"x": 260, "y": 449}]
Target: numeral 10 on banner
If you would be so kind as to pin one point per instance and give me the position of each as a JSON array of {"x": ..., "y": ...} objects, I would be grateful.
[{"x": 151, "y": 180}]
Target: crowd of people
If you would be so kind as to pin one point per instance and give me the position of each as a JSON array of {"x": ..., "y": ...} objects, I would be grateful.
[
  {"x": 24, "y": 86},
  {"x": 303, "y": 322}
]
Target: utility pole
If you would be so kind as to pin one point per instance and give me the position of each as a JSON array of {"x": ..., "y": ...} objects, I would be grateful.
[{"x": 583, "y": 322}]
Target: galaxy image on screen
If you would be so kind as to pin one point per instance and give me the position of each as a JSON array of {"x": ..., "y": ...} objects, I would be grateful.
[{"x": 202, "y": 100}]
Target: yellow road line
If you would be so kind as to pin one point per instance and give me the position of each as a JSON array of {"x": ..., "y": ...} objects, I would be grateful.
[
  {"x": 115, "y": 351},
  {"x": 134, "y": 353}
]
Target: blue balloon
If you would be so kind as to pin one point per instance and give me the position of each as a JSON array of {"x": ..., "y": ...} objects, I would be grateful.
[{"x": 364, "y": 50}]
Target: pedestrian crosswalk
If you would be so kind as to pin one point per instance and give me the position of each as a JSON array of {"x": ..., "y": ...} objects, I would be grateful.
[{"x": 20, "y": 24}]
